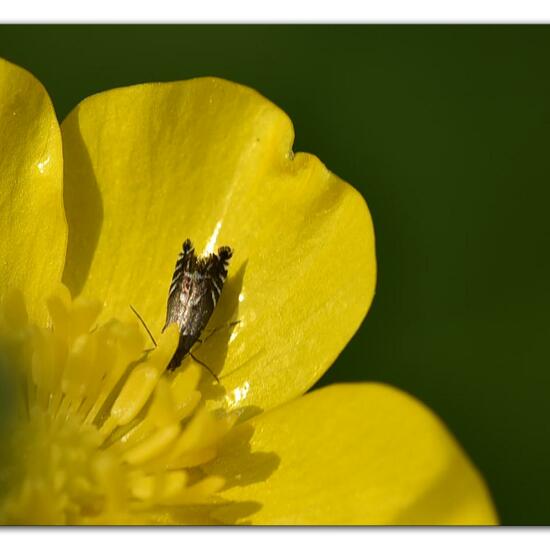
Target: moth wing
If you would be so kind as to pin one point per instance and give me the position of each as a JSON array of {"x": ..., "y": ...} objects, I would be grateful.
[
  {"x": 216, "y": 267},
  {"x": 180, "y": 282}
]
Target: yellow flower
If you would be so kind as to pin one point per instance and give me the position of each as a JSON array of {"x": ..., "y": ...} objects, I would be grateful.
[{"x": 93, "y": 428}]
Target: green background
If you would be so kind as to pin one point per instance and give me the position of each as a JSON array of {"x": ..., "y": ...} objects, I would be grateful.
[{"x": 446, "y": 132}]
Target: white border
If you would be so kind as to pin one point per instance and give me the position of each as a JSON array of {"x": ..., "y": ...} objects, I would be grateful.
[
  {"x": 247, "y": 538},
  {"x": 280, "y": 11}
]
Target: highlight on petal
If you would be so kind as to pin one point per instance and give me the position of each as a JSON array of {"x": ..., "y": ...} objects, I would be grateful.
[
  {"x": 211, "y": 160},
  {"x": 32, "y": 221},
  {"x": 354, "y": 454}
]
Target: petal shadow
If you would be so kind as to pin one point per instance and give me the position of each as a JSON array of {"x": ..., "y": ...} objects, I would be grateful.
[{"x": 83, "y": 207}]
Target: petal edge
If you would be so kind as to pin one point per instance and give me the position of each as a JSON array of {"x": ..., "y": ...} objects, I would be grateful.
[
  {"x": 356, "y": 454},
  {"x": 32, "y": 220}
]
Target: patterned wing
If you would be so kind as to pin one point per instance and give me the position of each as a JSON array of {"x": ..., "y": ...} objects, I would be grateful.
[
  {"x": 217, "y": 265},
  {"x": 185, "y": 265}
]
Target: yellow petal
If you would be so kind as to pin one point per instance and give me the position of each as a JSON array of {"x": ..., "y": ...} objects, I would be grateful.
[
  {"x": 352, "y": 454},
  {"x": 32, "y": 222},
  {"x": 149, "y": 166}
]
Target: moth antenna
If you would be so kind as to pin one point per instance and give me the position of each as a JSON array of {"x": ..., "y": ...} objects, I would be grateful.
[
  {"x": 205, "y": 366},
  {"x": 144, "y": 325}
]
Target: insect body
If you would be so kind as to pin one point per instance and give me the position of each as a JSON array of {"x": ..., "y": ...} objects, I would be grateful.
[{"x": 195, "y": 289}]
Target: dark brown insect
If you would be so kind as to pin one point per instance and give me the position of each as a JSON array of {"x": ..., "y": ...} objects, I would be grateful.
[{"x": 194, "y": 292}]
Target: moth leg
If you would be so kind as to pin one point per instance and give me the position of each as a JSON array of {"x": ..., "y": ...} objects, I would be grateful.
[
  {"x": 213, "y": 331},
  {"x": 200, "y": 341},
  {"x": 205, "y": 366}
]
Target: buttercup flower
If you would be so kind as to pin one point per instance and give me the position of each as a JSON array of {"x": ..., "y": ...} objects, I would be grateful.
[{"x": 94, "y": 430}]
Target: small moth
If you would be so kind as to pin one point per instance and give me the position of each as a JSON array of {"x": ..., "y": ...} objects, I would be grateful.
[{"x": 194, "y": 292}]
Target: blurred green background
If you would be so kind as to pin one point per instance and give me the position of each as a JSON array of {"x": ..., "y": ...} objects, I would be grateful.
[{"x": 446, "y": 132}]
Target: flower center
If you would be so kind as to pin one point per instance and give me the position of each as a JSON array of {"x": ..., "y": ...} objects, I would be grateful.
[{"x": 93, "y": 428}]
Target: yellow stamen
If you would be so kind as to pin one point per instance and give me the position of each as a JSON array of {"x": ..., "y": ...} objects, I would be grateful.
[{"x": 95, "y": 430}]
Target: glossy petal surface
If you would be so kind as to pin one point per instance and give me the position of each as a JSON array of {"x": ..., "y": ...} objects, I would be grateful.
[
  {"x": 352, "y": 454},
  {"x": 32, "y": 222},
  {"x": 149, "y": 166}
]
